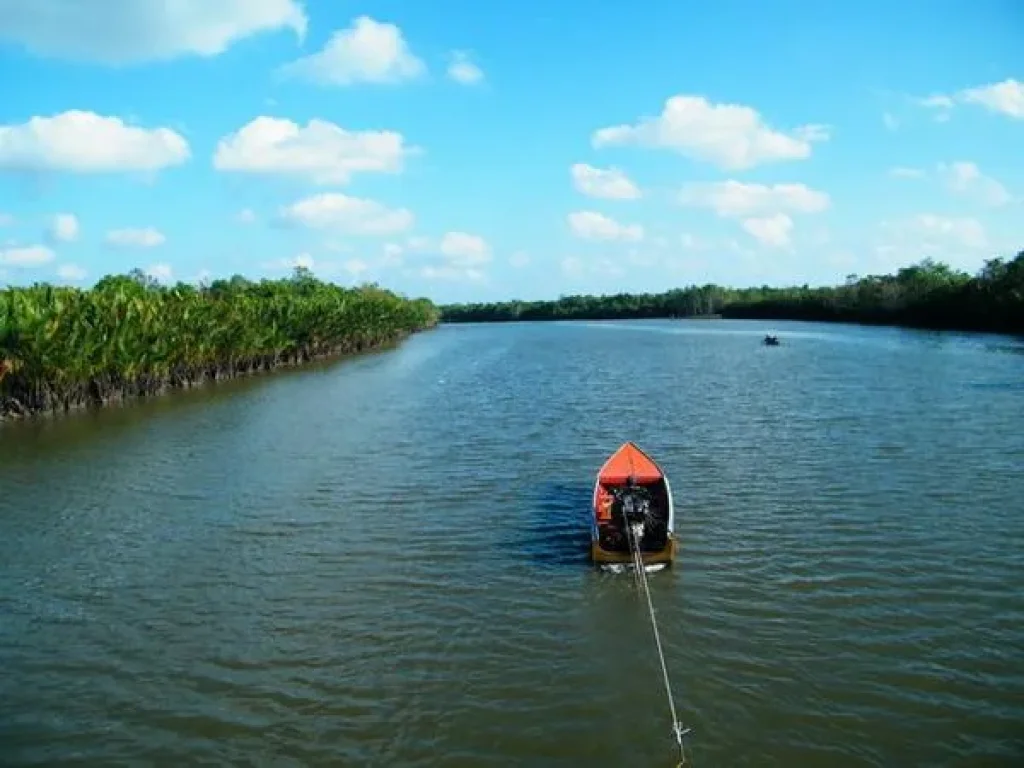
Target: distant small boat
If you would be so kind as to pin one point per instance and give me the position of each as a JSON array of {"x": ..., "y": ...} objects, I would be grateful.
[
  {"x": 771, "y": 341},
  {"x": 632, "y": 503}
]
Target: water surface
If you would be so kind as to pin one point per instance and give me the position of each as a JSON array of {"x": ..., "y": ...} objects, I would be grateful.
[{"x": 384, "y": 562}]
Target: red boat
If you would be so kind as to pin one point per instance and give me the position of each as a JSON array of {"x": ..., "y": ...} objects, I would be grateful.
[{"x": 633, "y": 512}]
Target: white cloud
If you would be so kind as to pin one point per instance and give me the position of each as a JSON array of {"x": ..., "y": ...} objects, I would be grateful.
[
  {"x": 161, "y": 272},
  {"x": 6, "y": 219},
  {"x": 573, "y": 266},
  {"x": 129, "y": 31},
  {"x": 321, "y": 151},
  {"x": 392, "y": 255},
  {"x": 961, "y": 242},
  {"x": 26, "y": 256},
  {"x": 902, "y": 172},
  {"x": 736, "y": 199},
  {"x": 355, "y": 267},
  {"x": 590, "y": 225},
  {"x": 611, "y": 184},
  {"x": 366, "y": 52},
  {"x": 458, "y": 256},
  {"x": 246, "y": 216},
  {"x": 465, "y": 250},
  {"x": 443, "y": 272},
  {"x": 304, "y": 260},
  {"x": 84, "y": 142},
  {"x": 731, "y": 136},
  {"x": 64, "y": 228},
  {"x": 1005, "y": 97},
  {"x": 419, "y": 243},
  {"x": 462, "y": 70},
  {"x": 937, "y": 101},
  {"x": 773, "y": 231},
  {"x": 963, "y": 178},
  {"x": 147, "y": 237},
  {"x": 71, "y": 272},
  {"x": 347, "y": 215},
  {"x": 691, "y": 242},
  {"x": 938, "y": 231},
  {"x": 519, "y": 259}
]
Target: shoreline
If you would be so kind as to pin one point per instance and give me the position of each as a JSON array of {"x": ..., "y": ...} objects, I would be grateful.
[
  {"x": 12, "y": 411},
  {"x": 864, "y": 322}
]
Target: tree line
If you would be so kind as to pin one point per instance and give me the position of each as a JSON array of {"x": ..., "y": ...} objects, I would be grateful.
[
  {"x": 927, "y": 294},
  {"x": 130, "y": 336}
]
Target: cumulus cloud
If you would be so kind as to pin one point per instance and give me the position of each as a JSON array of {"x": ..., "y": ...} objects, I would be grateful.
[
  {"x": 465, "y": 250},
  {"x": 445, "y": 272},
  {"x": 26, "y": 256},
  {"x": 963, "y": 178},
  {"x": 161, "y": 272},
  {"x": 462, "y": 69},
  {"x": 731, "y": 136},
  {"x": 368, "y": 51},
  {"x": 321, "y": 152},
  {"x": 960, "y": 241},
  {"x": 64, "y": 228},
  {"x": 355, "y": 267},
  {"x": 772, "y": 231},
  {"x": 1004, "y": 98},
  {"x": 147, "y": 237},
  {"x": 84, "y": 142},
  {"x": 457, "y": 256},
  {"x": 737, "y": 199},
  {"x": 347, "y": 215},
  {"x": 129, "y": 31},
  {"x": 71, "y": 272},
  {"x": 590, "y": 225},
  {"x": 929, "y": 230},
  {"x": 609, "y": 183}
]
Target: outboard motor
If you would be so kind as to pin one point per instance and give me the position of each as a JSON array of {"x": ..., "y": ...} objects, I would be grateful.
[{"x": 634, "y": 503}]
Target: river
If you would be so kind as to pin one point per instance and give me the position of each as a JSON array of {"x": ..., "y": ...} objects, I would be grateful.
[{"x": 383, "y": 561}]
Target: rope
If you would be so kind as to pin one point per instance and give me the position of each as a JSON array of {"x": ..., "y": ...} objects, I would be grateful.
[{"x": 638, "y": 562}]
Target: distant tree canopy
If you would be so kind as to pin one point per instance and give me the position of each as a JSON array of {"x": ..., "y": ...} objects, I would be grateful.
[{"x": 927, "y": 294}]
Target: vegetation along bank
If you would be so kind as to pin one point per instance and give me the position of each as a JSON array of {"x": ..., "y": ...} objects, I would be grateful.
[
  {"x": 926, "y": 295},
  {"x": 128, "y": 336}
]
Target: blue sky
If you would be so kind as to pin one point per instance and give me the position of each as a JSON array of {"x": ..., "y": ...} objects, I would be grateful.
[{"x": 475, "y": 151}]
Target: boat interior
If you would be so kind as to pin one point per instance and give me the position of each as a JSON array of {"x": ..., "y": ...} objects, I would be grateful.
[{"x": 610, "y": 521}]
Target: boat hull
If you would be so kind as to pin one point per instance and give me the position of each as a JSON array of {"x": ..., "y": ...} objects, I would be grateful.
[
  {"x": 602, "y": 556},
  {"x": 609, "y": 546}
]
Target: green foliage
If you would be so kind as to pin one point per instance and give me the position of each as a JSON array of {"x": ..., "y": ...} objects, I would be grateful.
[
  {"x": 927, "y": 294},
  {"x": 128, "y": 335}
]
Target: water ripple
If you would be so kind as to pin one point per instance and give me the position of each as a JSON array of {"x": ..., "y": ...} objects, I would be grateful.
[{"x": 384, "y": 562}]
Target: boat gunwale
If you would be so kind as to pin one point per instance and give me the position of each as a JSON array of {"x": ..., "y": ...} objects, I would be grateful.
[{"x": 599, "y": 554}]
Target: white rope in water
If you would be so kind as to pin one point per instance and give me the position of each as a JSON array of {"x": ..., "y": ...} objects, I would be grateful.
[{"x": 638, "y": 563}]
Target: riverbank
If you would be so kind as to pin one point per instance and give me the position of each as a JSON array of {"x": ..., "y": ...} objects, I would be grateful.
[
  {"x": 64, "y": 349},
  {"x": 925, "y": 295}
]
